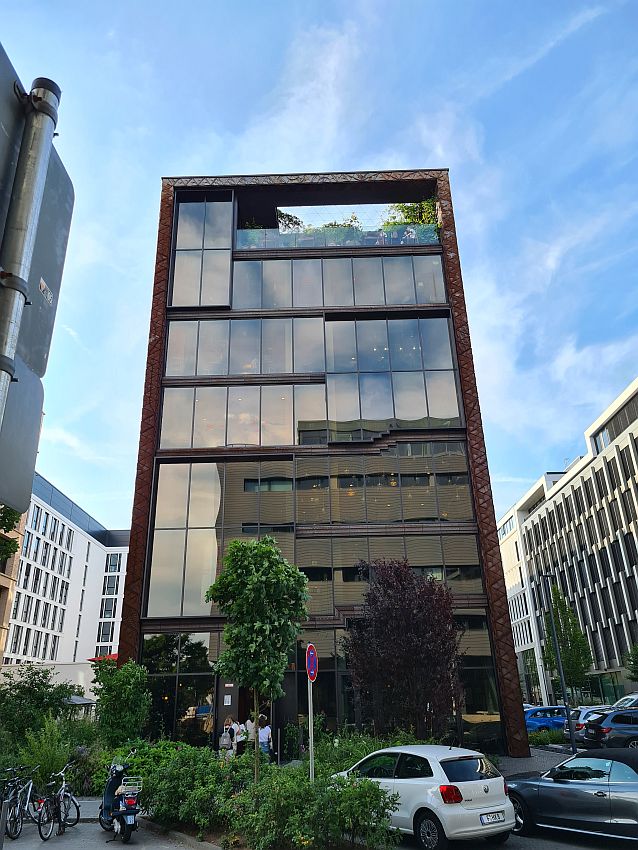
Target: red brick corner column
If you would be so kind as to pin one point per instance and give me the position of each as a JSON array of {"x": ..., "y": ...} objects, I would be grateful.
[
  {"x": 134, "y": 588},
  {"x": 501, "y": 628}
]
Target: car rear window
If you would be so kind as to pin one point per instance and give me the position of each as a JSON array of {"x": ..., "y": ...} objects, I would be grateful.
[
  {"x": 468, "y": 769},
  {"x": 575, "y": 714},
  {"x": 595, "y": 718}
]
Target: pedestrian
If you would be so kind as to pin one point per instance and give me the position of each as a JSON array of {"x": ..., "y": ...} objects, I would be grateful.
[
  {"x": 265, "y": 735},
  {"x": 250, "y": 728},
  {"x": 240, "y": 739},
  {"x": 227, "y": 739}
]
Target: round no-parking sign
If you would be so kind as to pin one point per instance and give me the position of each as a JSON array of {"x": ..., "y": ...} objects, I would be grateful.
[{"x": 312, "y": 662}]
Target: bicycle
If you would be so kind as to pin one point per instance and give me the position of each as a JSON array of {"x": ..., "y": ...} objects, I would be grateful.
[
  {"x": 30, "y": 803},
  {"x": 10, "y": 795},
  {"x": 58, "y": 806}
]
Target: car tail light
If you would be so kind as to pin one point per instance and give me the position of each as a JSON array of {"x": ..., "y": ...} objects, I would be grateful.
[
  {"x": 579, "y": 726},
  {"x": 506, "y": 790},
  {"x": 606, "y": 729},
  {"x": 450, "y": 794},
  {"x": 130, "y": 801}
]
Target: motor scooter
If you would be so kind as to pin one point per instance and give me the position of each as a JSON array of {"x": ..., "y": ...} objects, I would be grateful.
[{"x": 119, "y": 807}]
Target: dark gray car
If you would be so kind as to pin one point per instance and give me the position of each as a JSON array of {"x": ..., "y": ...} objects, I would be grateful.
[{"x": 591, "y": 792}]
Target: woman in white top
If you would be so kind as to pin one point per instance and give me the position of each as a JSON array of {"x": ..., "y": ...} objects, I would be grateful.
[{"x": 265, "y": 735}]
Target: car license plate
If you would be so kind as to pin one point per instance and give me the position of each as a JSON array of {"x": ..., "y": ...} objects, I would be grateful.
[
  {"x": 493, "y": 817},
  {"x": 130, "y": 818}
]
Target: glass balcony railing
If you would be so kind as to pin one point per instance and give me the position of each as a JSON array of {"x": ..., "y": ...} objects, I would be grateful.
[{"x": 259, "y": 239}]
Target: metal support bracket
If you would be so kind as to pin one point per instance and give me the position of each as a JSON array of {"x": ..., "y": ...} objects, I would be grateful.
[
  {"x": 12, "y": 281},
  {"x": 8, "y": 365}
]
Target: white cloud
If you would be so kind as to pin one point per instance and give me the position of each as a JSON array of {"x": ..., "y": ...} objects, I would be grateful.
[{"x": 65, "y": 439}]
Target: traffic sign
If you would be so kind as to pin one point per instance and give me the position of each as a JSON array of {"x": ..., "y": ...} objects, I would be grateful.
[{"x": 312, "y": 662}]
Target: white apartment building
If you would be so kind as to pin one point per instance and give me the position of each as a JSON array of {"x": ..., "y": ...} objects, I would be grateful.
[
  {"x": 67, "y": 600},
  {"x": 579, "y": 526}
]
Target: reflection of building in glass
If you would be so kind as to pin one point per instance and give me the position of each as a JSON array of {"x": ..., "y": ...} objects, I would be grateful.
[{"x": 306, "y": 381}]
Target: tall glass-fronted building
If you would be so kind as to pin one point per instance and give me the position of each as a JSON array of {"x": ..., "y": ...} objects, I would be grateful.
[{"x": 310, "y": 378}]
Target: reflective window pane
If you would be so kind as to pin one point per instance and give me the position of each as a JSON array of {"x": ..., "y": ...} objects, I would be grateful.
[
  {"x": 193, "y": 710},
  {"x": 310, "y": 414},
  {"x": 409, "y": 400},
  {"x": 177, "y": 418},
  {"x": 462, "y": 569},
  {"x": 219, "y": 222},
  {"x": 200, "y": 571},
  {"x": 247, "y": 285},
  {"x": 341, "y": 347},
  {"x": 205, "y": 496},
  {"x": 343, "y": 407},
  {"x": 172, "y": 495},
  {"x": 197, "y": 652},
  {"x": 452, "y": 480},
  {"x": 368, "y": 281},
  {"x": 209, "y": 422},
  {"x": 244, "y": 346},
  {"x": 428, "y": 276},
  {"x": 190, "y": 225},
  {"x": 276, "y": 416},
  {"x": 241, "y": 495},
  {"x": 387, "y": 548},
  {"x": 276, "y": 346},
  {"x": 162, "y": 711},
  {"x": 277, "y": 285},
  {"x": 216, "y": 278},
  {"x": 186, "y": 275},
  {"x": 312, "y": 492},
  {"x": 399, "y": 280},
  {"x": 306, "y": 283},
  {"x": 435, "y": 336},
  {"x": 159, "y": 653},
  {"x": 212, "y": 351},
  {"x": 337, "y": 283},
  {"x": 377, "y": 411},
  {"x": 309, "y": 355},
  {"x": 372, "y": 346},
  {"x": 347, "y": 492},
  {"x": 182, "y": 348},
  {"x": 405, "y": 344},
  {"x": 167, "y": 568},
  {"x": 383, "y": 494},
  {"x": 277, "y": 504},
  {"x": 442, "y": 400},
  {"x": 243, "y": 416}
]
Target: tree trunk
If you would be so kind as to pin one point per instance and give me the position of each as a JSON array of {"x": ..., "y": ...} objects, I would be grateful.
[{"x": 256, "y": 722}]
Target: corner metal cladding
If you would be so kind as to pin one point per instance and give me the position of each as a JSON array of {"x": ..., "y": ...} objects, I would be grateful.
[
  {"x": 22, "y": 221},
  {"x": 498, "y": 613},
  {"x": 501, "y": 627}
]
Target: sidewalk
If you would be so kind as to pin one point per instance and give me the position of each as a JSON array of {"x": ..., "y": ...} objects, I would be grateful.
[{"x": 540, "y": 760}]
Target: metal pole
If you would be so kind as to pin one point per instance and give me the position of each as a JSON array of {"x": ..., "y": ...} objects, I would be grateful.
[
  {"x": 4, "y": 813},
  {"x": 311, "y": 732},
  {"x": 22, "y": 221},
  {"x": 559, "y": 662}
]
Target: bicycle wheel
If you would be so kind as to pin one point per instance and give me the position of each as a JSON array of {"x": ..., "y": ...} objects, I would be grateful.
[
  {"x": 70, "y": 809},
  {"x": 14, "y": 820},
  {"x": 46, "y": 820}
]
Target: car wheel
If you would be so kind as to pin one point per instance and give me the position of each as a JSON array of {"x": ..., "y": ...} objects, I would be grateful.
[
  {"x": 429, "y": 833},
  {"x": 524, "y": 823},
  {"x": 632, "y": 744},
  {"x": 501, "y": 838}
]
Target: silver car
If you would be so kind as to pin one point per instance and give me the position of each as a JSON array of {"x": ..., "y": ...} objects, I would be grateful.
[
  {"x": 594, "y": 792},
  {"x": 579, "y": 718}
]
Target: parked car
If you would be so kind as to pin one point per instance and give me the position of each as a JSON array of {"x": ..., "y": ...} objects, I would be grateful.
[
  {"x": 628, "y": 701},
  {"x": 545, "y": 717},
  {"x": 579, "y": 718},
  {"x": 613, "y": 728},
  {"x": 445, "y": 793},
  {"x": 590, "y": 792}
]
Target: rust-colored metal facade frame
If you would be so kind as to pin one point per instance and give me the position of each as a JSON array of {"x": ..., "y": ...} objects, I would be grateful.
[{"x": 498, "y": 611}]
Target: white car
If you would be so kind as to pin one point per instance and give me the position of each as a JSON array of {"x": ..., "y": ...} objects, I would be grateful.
[{"x": 445, "y": 793}]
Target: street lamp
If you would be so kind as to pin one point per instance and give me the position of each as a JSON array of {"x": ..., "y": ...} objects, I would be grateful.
[{"x": 559, "y": 661}]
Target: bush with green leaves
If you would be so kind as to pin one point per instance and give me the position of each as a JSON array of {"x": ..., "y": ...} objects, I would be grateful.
[
  {"x": 123, "y": 700},
  {"x": 46, "y": 749},
  {"x": 148, "y": 760},
  {"x": 334, "y": 753},
  {"x": 541, "y": 739},
  {"x": 285, "y": 811}
]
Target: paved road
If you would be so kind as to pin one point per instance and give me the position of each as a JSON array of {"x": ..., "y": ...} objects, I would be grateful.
[{"x": 89, "y": 836}]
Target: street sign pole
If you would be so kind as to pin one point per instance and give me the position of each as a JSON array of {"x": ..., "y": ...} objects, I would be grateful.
[{"x": 312, "y": 668}]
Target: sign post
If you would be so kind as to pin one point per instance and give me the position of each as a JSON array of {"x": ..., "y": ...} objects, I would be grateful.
[{"x": 312, "y": 668}]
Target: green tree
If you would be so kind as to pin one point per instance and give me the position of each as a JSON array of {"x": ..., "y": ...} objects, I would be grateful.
[
  {"x": 631, "y": 663},
  {"x": 9, "y": 520},
  {"x": 28, "y": 695},
  {"x": 421, "y": 212},
  {"x": 574, "y": 648},
  {"x": 264, "y": 599},
  {"x": 123, "y": 700}
]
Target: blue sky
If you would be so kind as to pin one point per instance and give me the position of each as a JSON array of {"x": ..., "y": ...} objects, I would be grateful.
[{"x": 532, "y": 105}]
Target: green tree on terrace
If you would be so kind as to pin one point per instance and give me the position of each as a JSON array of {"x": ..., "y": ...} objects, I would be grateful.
[
  {"x": 9, "y": 520},
  {"x": 574, "y": 648},
  {"x": 420, "y": 212},
  {"x": 264, "y": 599},
  {"x": 631, "y": 663}
]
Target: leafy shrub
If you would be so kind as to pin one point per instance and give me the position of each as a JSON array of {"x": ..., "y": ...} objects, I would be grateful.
[
  {"x": 148, "y": 760},
  {"x": 334, "y": 753},
  {"x": 552, "y": 736},
  {"x": 123, "y": 700},
  {"x": 47, "y": 748},
  {"x": 358, "y": 809}
]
